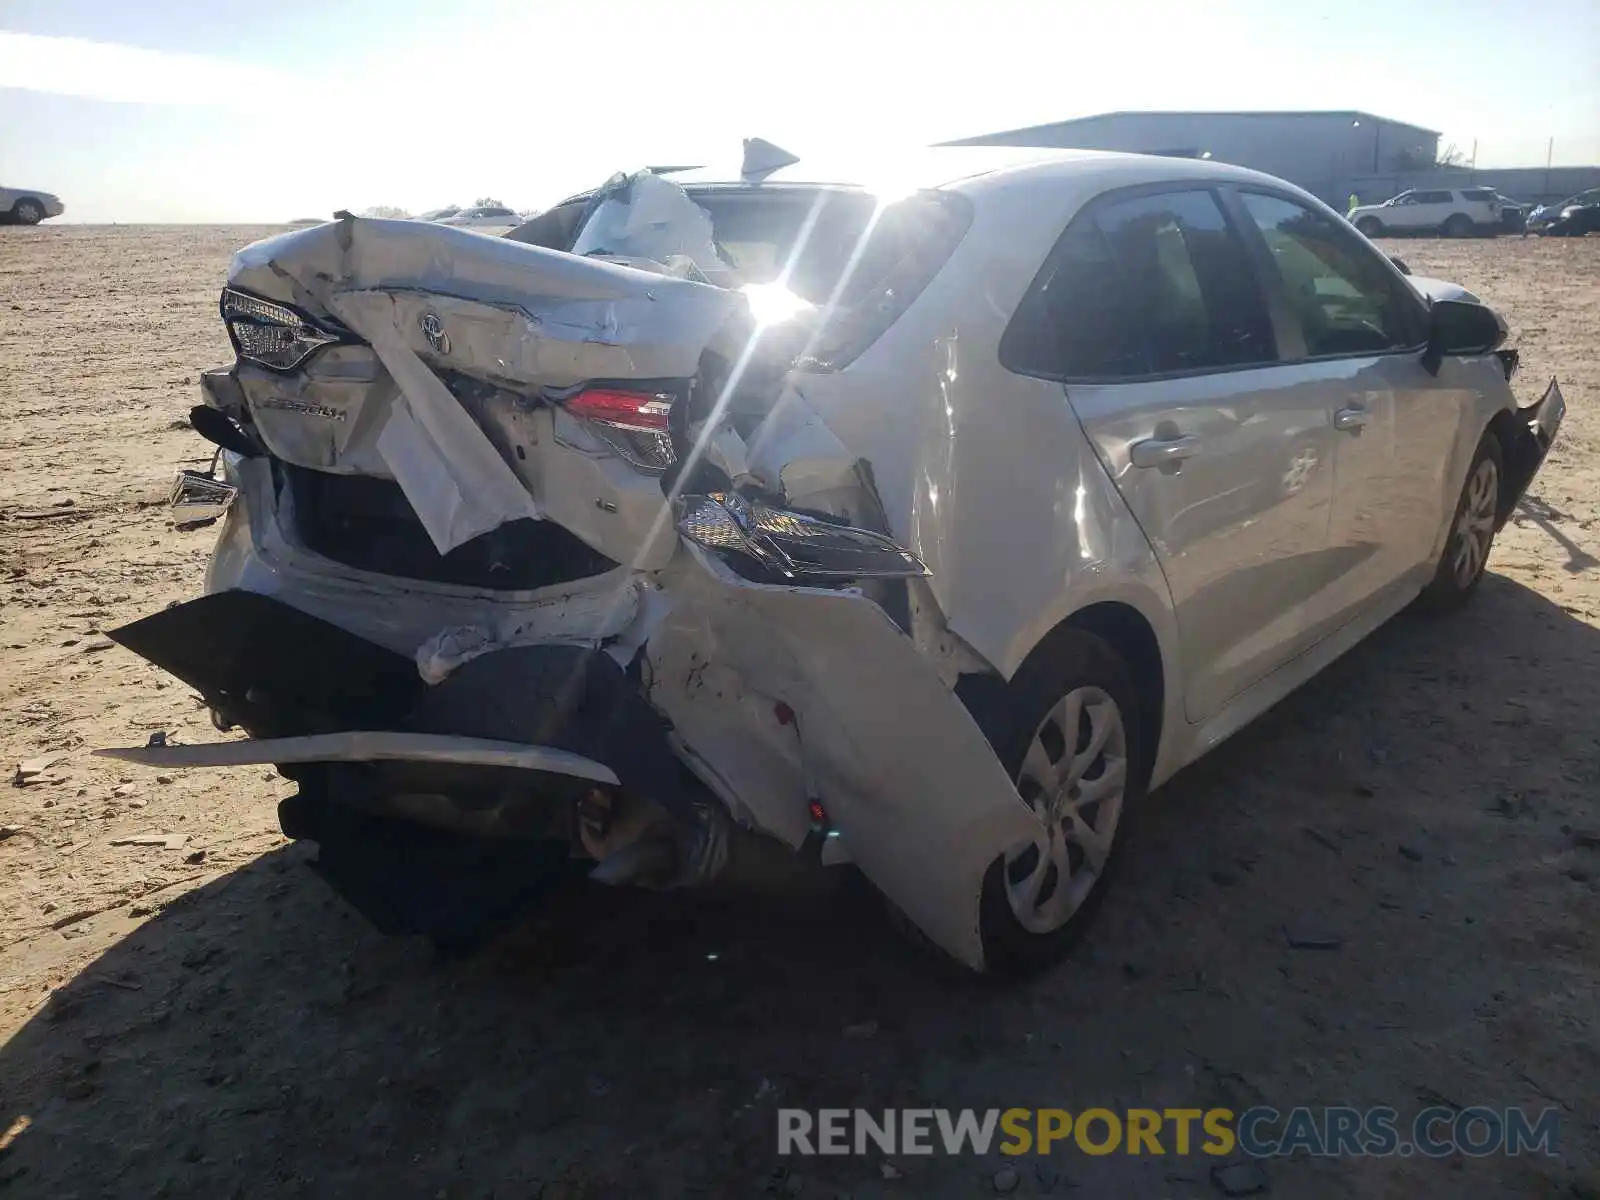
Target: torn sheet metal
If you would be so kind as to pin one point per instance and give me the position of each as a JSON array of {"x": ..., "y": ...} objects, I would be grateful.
[
  {"x": 325, "y": 416},
  {"x": 456, "y": 482},
  {"x": 622, "y": 617},
  {"x": 366, "y": 745},
  {"x": 497, "y": 300},
  {"x": 426, "y": 297},
  {"x": 645, "y": 216},
  {"x": 917, "y": 793},
  {"x": 255, "y": 555}
]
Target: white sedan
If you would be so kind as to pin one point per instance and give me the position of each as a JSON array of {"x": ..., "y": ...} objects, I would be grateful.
[
  {"x": 28, "y": 206},
  {"x": 930, "y": 535}
]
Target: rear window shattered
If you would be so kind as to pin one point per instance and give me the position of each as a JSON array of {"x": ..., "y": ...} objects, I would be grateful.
[{"x": 836, "y": 261}]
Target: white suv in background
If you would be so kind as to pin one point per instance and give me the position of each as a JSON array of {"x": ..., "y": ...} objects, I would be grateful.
[{"x": 1454, "y": 212}]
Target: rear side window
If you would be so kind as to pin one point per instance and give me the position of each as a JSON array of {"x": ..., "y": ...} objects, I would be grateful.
[
  {"x": 1148, "y": 285},
  {"x": 1431, "y": 198},
  {"x": 1346, "y": 300}
]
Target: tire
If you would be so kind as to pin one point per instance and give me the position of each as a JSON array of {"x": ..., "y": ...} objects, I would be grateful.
[
  {"x": 1473, "y": 524},
  {"x": 1457, "y": 225},
  {"x": 27, "y": 212},
  {"x": 1073, "y": 693},
  {"x": 1370, "y": 226}
]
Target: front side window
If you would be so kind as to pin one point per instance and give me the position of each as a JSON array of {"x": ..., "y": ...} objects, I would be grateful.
[
  {"x": 1148, "y": 285},
  {"x": 1345, "y": 299}
]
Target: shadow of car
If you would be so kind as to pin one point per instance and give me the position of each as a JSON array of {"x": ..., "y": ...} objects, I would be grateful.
[{"x": 256, "y": 1037}]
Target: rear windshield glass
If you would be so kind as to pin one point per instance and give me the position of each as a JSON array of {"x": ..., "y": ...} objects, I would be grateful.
[
  {"x": 859, "y": 263},
  {"x": 1478, "y": 193}
]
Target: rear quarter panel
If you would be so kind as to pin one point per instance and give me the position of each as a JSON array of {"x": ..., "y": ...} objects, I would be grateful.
[{"x": 987, "y": 475}]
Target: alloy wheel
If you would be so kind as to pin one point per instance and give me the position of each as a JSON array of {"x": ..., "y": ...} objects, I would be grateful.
[
  {"x": 1475, "y": 526},
  {"x": 1075, "y": 777}
]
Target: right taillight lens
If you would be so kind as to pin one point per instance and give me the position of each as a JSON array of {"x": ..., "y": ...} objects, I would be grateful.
[{"x": 633, "y": 423}]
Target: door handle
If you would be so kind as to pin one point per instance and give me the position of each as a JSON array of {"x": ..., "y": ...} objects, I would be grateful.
[
  {"x": 1351, "y": 420},
  {"x": 1161, "y": 452}
]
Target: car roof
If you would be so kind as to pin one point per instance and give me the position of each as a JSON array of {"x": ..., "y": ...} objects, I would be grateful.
[{"x": 970, "y": 169}]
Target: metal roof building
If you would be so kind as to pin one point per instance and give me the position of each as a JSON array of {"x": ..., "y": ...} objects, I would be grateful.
[{"x": 1323, "y": 152}]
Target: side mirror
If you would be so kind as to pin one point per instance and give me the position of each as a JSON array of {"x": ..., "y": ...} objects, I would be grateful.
[{"x": 1460, "y": 327}]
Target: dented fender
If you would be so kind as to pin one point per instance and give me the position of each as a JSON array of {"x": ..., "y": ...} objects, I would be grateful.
[{"x": 866, "y": 726}]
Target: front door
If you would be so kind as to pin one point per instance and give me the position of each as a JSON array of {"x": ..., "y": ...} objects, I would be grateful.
[
  {"x": 1150, "y": 311},
  {"x": 1357, "y": 328}
]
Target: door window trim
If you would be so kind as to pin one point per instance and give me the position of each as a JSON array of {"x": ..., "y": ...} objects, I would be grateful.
[
  {"x": 1088, "y": 212},
  {"x": 1279, "y": 305}
]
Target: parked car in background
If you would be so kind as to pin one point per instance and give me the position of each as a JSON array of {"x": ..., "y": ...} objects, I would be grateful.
[
  {"x": 439, "y": 214},
  {"x": 1572, "y": 217},
  {"x": 27, "y": 206},
  {"x": 1576, "y": 221},
  {"x": 1547, "y": 214},
  {"x": 483, "y": 216},
  {"x": 1453, "y": 212},
  {"x": 926, "y": 534},
  {"x": 1513, "y": 213}
]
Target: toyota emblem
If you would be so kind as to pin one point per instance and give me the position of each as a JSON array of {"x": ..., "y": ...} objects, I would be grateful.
[{"x": 433, "y": 330}]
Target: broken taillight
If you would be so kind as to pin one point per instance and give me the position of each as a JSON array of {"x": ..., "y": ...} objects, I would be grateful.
[
  {"x": 638, "y": 412},
  {"x": 632, "y": 423}
]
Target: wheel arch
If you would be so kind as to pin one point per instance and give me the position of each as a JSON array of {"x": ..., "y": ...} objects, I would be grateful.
[
  {"x": 1503, "y": 425},
  {"x": 1129, "y": 630},
  {"x": 1125, "y": 629}
]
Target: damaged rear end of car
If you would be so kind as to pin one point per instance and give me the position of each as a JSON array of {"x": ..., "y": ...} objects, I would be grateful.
[{"x": 528, "y": 554}]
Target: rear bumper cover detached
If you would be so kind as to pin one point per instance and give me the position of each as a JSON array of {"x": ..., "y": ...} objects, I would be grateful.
[{"x": 773, "y": 696}]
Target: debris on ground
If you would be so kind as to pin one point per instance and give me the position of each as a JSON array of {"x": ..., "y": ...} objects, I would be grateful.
[
  {"x": 168, "y": 841},
  {"x": 33, "y": 770}
]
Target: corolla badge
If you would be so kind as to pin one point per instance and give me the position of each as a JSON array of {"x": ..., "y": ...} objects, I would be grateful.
[{"x": 433, "y": 330}]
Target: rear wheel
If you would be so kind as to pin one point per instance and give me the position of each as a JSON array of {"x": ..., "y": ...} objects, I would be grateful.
[
  {"x": 1370, "y": 226},
  {"x": 1072, "y": 743},
  {"x": 27, "y": 212},
  {"x": 1457, "y": 225},
  {"x": 1472, "y": 530}
]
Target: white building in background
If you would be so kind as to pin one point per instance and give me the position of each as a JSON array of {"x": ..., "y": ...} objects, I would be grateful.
[{"x": 1323, "y": 152}]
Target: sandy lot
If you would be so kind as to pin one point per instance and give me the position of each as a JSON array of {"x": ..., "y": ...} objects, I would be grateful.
[{"x": 206, "y": 1019}]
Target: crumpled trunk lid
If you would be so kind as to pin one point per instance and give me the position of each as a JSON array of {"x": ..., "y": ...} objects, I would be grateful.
[{"x": 433, "y": 307}]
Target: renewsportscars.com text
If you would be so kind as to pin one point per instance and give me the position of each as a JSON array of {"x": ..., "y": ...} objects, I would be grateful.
[{"x": 1260, "y": 1132}]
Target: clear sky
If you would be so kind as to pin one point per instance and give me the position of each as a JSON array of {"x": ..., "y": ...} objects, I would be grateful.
[{"x": 212, "y": 110}]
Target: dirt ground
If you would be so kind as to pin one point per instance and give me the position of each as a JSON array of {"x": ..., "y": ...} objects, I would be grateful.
[{"x": 203, "y": 1019}]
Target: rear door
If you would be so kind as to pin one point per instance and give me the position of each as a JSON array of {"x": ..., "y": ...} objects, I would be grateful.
[
  {"x": 1151, "y": 312},
  {"x": 1432, "y": 209},
  {"x": 1356, "y": 331},
  {"x": 1481, "y": 204}
]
